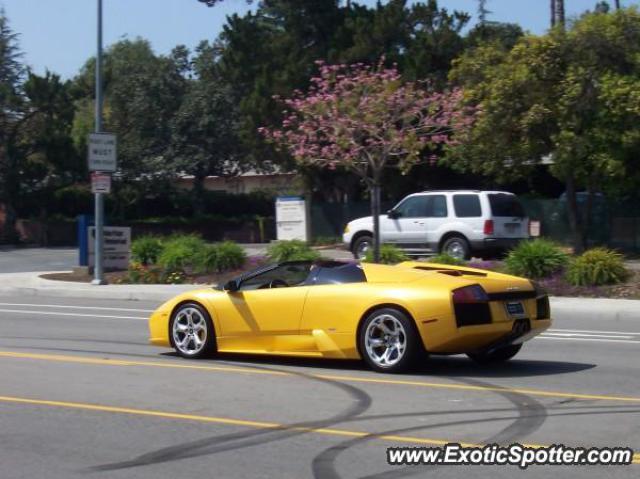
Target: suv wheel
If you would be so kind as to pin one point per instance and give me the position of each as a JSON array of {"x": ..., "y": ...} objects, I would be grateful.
[
  {"x": 360, "y": 247},
  {"x": 456, "y": 246}
]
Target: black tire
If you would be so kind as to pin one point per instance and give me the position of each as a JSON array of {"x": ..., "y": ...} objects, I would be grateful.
[
  {"x": 209, "y": 346},
  {"x": 362, "y": 243},
  {"x": 498, "y": 356},
  {"x": 456, "y": 246},
  {"x": 413, "y": 345}
]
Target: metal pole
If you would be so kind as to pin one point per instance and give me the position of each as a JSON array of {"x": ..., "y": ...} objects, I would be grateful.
[{"x": 98, "y": 270}]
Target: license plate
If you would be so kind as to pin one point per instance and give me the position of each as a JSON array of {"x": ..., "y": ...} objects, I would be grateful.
[
  {"x": 515, "y": 308},
  {"x": 511, "y": 227}
]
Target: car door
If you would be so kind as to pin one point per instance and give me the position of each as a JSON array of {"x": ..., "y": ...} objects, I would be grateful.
[
  {"x": 407, "y": 227},
  {"x": 264, "y": 308},
  {"x": 436, "y": 219}
]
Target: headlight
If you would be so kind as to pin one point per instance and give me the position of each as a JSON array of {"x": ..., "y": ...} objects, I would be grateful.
[{"x": 346, "y": 229}]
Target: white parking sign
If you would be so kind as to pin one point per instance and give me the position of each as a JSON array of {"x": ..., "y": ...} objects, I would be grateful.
[{"x": 102, "y": 152}]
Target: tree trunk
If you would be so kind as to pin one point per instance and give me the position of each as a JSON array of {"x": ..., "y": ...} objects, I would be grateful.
[
  {"x": 586, "y": 224},
  {"x": 374, "y": 190},
  {"x": 9, "y": 233},
  {"x": 617, "y": 4},
  {"x": 553, "y": 13},
  {"x": 198, "y": 193},
  {"x": 574, "y": 218}
]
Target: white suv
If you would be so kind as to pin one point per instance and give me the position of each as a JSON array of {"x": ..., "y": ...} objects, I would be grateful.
[{"x": 456, "y": 222}]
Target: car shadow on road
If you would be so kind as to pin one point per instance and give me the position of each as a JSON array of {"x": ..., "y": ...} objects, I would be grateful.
[{"x": 445, "y": 366}]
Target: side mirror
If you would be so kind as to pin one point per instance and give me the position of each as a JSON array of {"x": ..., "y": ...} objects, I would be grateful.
[
  {"x": 393, "y": 214},
  {"x": 231, "y": 286}
]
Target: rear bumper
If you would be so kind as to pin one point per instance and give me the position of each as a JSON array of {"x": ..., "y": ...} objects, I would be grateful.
[{"x": 469, "y": 339}]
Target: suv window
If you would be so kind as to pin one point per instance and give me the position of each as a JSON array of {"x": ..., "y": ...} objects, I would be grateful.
[
  {"x": 505, "y": 205},
  {"x": 437, "y": 206},
  {"x": 414, "y": 207},
  {"x": 467, "y": 206},
  {"x": 431, "y": 206}
]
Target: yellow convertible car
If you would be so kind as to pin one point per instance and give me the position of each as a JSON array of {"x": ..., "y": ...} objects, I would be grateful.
[{"x": 387, "y": 315}]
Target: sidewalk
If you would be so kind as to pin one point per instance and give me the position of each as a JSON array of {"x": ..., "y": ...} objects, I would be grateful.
[{"x": 30, "y": 284}]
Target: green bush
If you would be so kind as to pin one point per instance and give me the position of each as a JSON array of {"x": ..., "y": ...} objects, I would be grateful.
[
  {"x": 389, "y": 254},
  {"x": 146, "y": 249},
  {"x": 230, "y": 256},
  {"x": 444, "y": 258},
  {"x": 596, "y": 267},
  {"x": 293, "y": 250},
  {"x": 180, "y": 252},
  {"x": 536, "y": 259},
  {"x": 220, "y": 257}
]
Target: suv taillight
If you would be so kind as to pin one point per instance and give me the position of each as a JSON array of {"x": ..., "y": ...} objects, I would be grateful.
[{"x": 488, "y": 227}]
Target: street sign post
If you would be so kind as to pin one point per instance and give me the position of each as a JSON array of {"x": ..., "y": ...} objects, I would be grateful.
[{"x": 101, "y": 156}]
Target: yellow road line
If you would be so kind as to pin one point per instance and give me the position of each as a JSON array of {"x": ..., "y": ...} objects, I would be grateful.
[
  {"x": 248, "y": 370},
  {"x": 245, "y": 423}
]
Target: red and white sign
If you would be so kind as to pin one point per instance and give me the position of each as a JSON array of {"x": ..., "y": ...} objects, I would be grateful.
[{"x": 100, "y": 183}]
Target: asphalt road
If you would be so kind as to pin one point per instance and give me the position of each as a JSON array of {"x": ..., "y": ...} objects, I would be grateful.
[
  {"x": 25, "y": 260},
  {"x": 83, "y": 394}
]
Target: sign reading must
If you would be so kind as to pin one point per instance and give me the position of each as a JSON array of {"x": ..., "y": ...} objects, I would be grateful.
[
  {"x": 117, "y": 247},
  {"x": 102, "y": 153}
]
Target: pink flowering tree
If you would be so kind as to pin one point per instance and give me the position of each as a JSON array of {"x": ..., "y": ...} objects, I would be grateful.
[{"x": 365, "y": 119}]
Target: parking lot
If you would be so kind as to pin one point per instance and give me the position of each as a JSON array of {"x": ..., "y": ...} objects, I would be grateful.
[{"x": 84, "y": 394}]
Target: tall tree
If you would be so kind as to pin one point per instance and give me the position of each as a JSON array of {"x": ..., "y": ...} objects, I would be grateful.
[
  {"x": 366, "y": 120},
  {"x": 559, "y": 13},
  {"x": 12, "y": 117},
  {"x": 483, "y": 11},
  {"x": 36, "y": 114},
  {"x": 553, "y": 13},
  {"x": 143, "y": 92},
  {"x": 204, "y": 130},
  {"x": 559, "y": 96}
]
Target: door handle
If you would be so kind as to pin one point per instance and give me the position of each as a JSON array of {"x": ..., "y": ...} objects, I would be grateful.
[{"x": 418, "y": 222}]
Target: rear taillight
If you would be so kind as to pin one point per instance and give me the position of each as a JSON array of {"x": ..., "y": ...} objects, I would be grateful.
[
  {"x": 471, "y": 306},
  {"x": 470, "y": 294},
  {"x": 488, "y": 227}
]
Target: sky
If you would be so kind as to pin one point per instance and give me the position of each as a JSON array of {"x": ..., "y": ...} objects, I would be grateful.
[{"x": 60, "y": 35}]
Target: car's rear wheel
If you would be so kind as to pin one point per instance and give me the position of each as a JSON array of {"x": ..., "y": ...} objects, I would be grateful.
[
  {"x": 456, "y": 246},
  {"x": 498, "y": 356},
  {"x": 191, "y": 332},
  {"x": 388, "y": 340},
  {"x": 361, "y": 245}
]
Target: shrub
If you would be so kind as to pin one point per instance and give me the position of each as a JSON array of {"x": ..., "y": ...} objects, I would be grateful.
[
  {"x": 146, "y": 249},
  {"x": 180, "y": 252},
  {"x": 536, "y": 259},
  {"x": 293, "y": 250},
  {"x": 230, "y": 256},
  {"x": 596, "y": 267},
  {"x": 220, "y": 257},
  {"x": 444, "y": 258},
  {"x": 389, "y": 254}
]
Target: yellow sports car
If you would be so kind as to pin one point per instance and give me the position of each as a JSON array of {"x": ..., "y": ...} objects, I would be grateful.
[{"x": 387, "y": 315}]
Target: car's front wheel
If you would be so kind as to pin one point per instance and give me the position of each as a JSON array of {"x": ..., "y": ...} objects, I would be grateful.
[
  {"x": 191, "y": 332},
  {"x": 388, "y": 340},
  {"x": 498, "y": 356}
]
